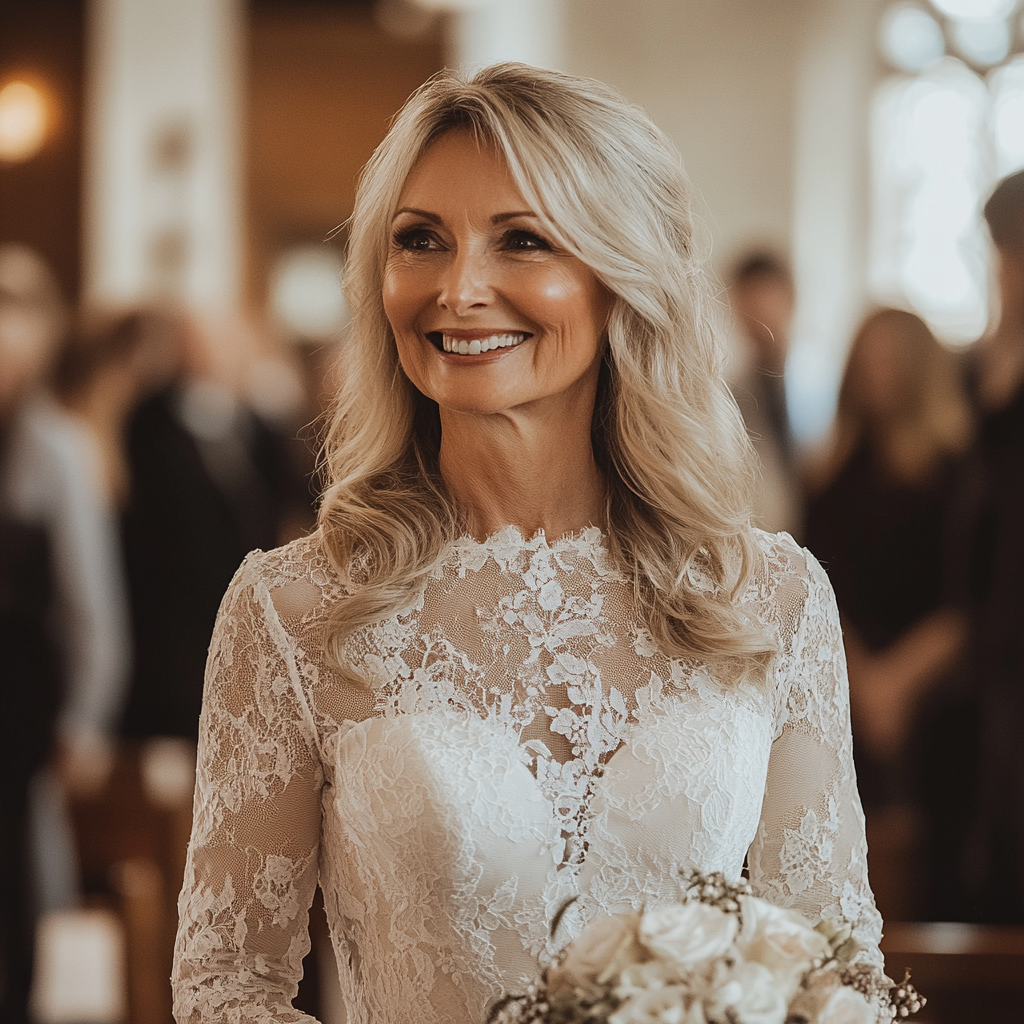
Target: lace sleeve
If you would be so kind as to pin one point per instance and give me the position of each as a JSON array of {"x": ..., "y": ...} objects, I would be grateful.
[
  {"x": 252, "y": 861},
  {"x": 810, "y": 852}
]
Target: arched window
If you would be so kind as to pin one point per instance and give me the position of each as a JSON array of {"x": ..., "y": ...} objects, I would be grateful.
[{"x": 947, "y": 123}]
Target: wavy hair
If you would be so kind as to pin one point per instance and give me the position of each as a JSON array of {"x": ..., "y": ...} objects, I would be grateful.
[{"x": 610, "y": 188}]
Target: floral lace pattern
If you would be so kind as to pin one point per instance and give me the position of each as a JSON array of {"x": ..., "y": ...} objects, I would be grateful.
[{"x": 521, "y": 742}]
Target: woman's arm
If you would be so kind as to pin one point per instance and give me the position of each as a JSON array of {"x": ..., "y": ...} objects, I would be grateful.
[
  {"x": 810, "y": 852},
  {"x": 252, "y": 862}
]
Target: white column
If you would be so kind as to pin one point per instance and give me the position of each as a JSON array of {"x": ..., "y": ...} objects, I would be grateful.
[
  {"x": 830, "y": 202},
  {"x": 488, "y": 31},
  {"x": 163, "y": 152}
]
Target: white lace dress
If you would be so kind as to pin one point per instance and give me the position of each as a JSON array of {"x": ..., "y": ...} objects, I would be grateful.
[{"x": 524, "y": 742}]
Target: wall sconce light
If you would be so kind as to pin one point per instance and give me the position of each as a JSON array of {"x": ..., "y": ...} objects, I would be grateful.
[{"x": 24, "y": 120}]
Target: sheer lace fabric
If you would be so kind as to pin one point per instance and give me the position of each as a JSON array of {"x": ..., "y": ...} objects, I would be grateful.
[{"x": 523, "y": 742}]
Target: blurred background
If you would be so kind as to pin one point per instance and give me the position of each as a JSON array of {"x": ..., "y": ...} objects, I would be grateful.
[{"x": 174, "y": 180}]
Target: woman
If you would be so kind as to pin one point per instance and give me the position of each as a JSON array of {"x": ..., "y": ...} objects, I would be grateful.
[
  {"x": 534, "y": 651},
  {"x": 879, "y": 512}
]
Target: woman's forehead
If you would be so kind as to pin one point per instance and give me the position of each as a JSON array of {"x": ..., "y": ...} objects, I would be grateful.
[{"x": 458, "y": 169}]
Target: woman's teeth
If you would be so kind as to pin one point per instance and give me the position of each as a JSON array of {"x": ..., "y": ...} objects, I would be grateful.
[{"x": 478, "y": 345}]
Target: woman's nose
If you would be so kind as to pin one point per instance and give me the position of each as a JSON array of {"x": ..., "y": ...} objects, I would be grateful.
[{"x": 466, "y": 283}]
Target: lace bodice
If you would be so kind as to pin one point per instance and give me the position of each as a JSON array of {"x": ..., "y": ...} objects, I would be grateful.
[{"x": 523, "y": 742}]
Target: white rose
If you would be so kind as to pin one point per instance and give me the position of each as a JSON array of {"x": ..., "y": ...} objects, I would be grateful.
[
  {"x": 847, "y": 1006},
  {"x": 671, "y": 1005},
  {"x": 607, "y": 943},
  {"x": 780, "y": 940},
  {"x": 647, "y": 977},
  {"x": 688, "y": 934},
  {"x": 752, "y": 993}
]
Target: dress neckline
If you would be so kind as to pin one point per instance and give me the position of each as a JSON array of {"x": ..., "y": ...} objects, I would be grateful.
[{"x": 509, "y": 548}]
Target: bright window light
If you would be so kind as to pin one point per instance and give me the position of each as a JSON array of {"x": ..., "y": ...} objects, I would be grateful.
[
  {"x": 1008, "y": 117},
  {"x": 975, "y": 8},
  {"x": 928, "y": 245},
  {"x": 911, "y": 38},
  {"x": 984, "y": 42}
]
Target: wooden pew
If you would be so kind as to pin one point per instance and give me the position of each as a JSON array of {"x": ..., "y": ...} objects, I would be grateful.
[{"x": 970, "y": 973}]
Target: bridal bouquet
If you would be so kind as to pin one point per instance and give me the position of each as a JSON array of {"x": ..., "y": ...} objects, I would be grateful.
[{"x": 722, "y": 956}]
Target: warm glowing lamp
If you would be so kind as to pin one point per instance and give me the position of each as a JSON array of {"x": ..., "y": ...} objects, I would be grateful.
[{"x": 23, "y": 122}]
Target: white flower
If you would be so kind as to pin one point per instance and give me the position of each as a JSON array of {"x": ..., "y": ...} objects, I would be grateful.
[
  {"x": 780, "y": 940},
  {"x": 753, "y": 995},
  {"x": 606, "y": 944},
  {"x": 687, "y": 934},
  {"x": 647, "y": 977},
  {"x": 550, "y": 596},
  {"x": 846, "y": 1006},
  {"x": 671, "y": 1005}
]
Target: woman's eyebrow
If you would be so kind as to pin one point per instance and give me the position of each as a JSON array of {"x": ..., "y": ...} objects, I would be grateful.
[
  {"x": 425, "y": 214},
  {"x": 500, "y": 218}
]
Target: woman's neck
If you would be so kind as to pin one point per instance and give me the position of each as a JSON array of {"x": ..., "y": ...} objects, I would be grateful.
[{"x": 510, "y": 471}]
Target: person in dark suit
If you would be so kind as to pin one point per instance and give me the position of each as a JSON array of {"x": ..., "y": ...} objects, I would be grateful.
[
  {"x": 208, "y": 483},
  {"x": 992, "y": 524}
]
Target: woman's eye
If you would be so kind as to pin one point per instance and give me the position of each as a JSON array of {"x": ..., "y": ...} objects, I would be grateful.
[
  {"x": 524, "y": 241},
  {"x": 415, "y": 240}
]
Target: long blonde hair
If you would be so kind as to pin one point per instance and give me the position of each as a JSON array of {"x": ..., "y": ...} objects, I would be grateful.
[
  {"x": 931, "y": 418},
  {"x": 666, "y": 431}
]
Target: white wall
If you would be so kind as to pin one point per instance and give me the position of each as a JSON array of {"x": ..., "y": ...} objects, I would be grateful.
[
  {"x": 720, "y": 76},
  {"x": 831, "y": 213}
]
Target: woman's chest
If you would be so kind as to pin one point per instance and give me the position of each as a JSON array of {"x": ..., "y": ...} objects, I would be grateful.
[
  {"x": 664, "y": 781},
  {"x": 527, "y": 718}
]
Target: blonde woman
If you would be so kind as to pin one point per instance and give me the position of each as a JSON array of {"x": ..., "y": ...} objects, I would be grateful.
[{"x": 534, "y": 650}]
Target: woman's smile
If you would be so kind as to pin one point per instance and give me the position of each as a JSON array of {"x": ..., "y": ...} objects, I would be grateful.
[
  {"x": 471, "y": 343},
  {"x": 489, "y": 312}
]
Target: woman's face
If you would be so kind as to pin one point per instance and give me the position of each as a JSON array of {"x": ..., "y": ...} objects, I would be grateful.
[
  {"x": 881, "y": 373},
  {"x": 489, "y": 314}
]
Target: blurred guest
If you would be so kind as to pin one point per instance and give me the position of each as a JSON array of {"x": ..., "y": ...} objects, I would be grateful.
[
  {"x": 763, "y": 300},
  {"x": 66, "y": 469},
  {"x": 97, "y": 382},
  {"x": 992, "y": 509},
  {"x": 31, "y": 322},
  {"x": 877, "y": 519},
  {"x": 208, "y": 478}
]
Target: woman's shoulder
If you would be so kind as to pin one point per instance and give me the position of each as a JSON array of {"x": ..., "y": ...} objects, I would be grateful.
[
  {"x": 782, "y": 559},
  {"x": 298, "y": 576},
  {"x": 786, "y": 580}
]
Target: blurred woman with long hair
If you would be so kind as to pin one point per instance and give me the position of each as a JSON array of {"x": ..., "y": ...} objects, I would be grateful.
[{"x": 877, "y": 520}]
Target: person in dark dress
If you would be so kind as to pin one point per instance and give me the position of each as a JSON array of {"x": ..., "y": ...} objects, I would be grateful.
[{"x": 878, "y": 521}]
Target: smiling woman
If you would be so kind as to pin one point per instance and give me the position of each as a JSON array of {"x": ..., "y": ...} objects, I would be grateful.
[
  {"x": 535, "y": 654},
  {"x": 502, "y": 328}
]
